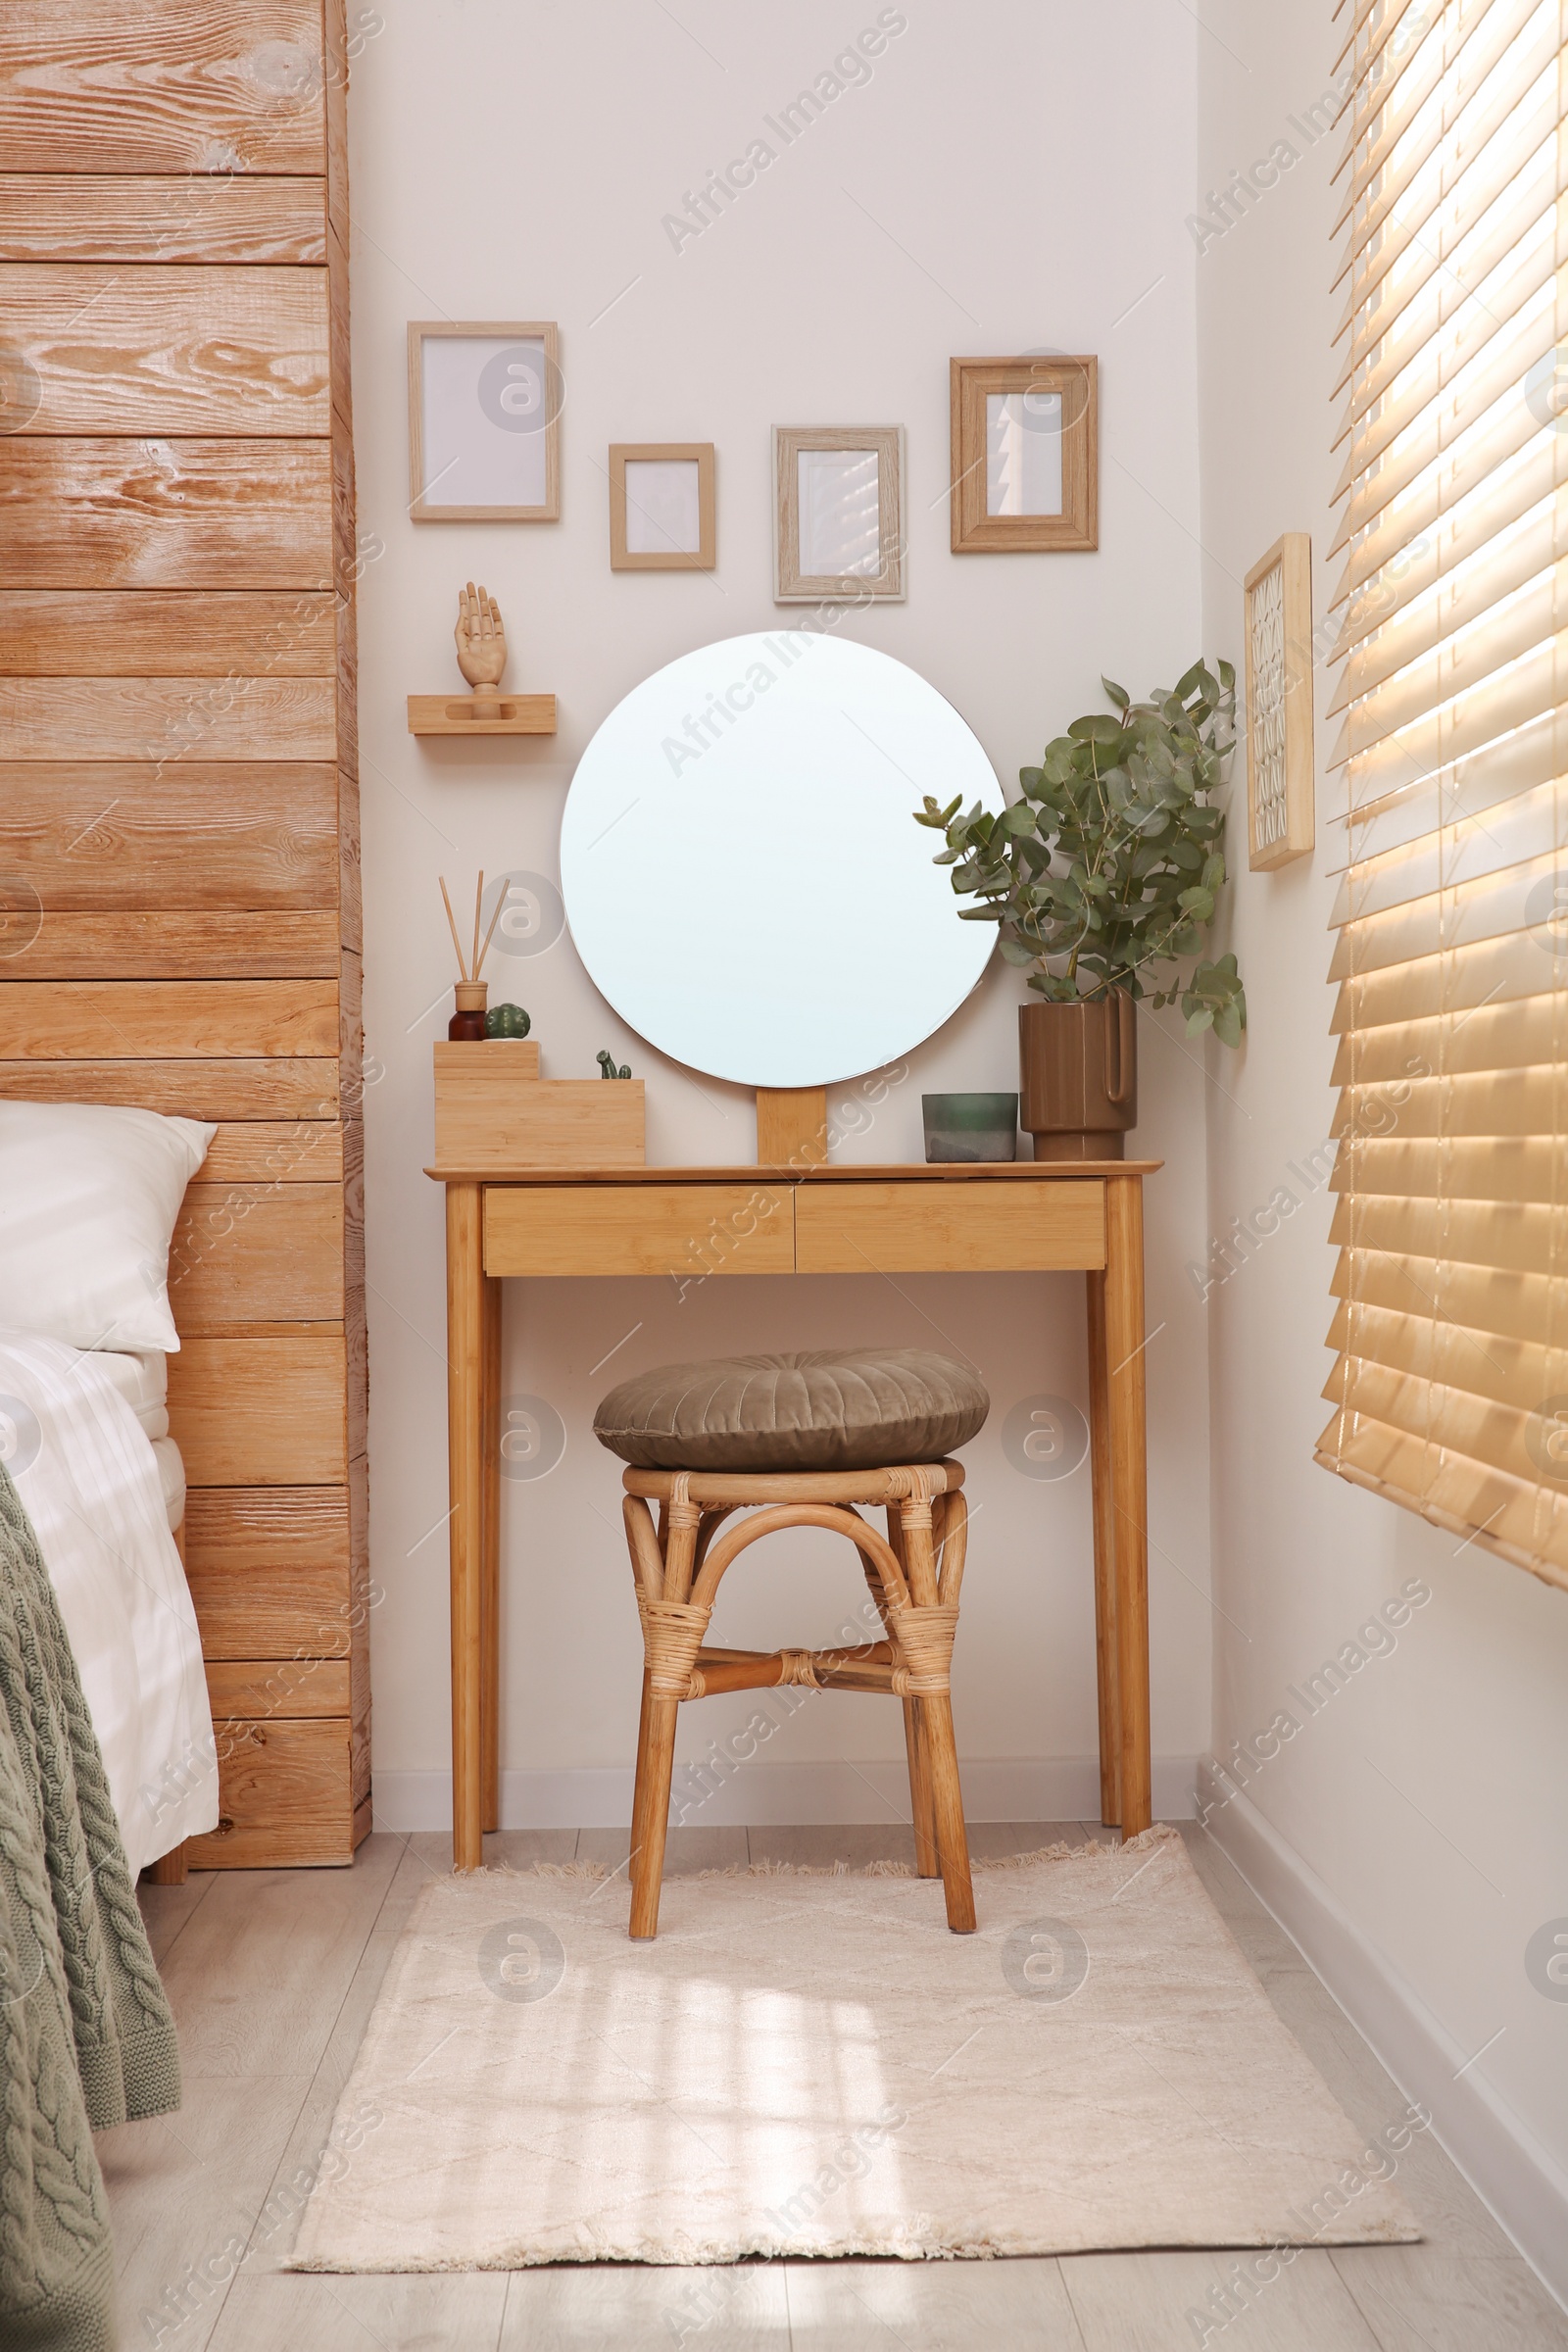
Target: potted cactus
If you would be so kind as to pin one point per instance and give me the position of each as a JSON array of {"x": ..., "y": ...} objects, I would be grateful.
[{"x": 1105, "y": 876}]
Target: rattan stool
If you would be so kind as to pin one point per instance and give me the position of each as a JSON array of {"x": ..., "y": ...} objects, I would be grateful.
[{"x": 914, "y": 1573}]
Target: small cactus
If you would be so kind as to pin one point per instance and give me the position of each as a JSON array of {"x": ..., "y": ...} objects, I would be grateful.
[
  {"x": 506, "y": 1020},
  {"x": 607, "y": 1066}
]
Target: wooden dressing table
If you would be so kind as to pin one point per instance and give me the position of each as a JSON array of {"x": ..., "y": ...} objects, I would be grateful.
[{"x": 693, "y": 1223}]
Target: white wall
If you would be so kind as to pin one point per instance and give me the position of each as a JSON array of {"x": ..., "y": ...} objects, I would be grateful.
[
  {"x": 1001, "y": 184},
  {"x": 1412, "y": 1831}
]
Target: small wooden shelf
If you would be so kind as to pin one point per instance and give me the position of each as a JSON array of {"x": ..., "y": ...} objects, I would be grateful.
[{"x": 449, "y": 714}]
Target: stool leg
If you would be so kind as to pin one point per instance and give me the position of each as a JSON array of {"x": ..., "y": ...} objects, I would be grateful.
[
  {"x": 659, "y": 1764},
  {"x": 679, "y": 1522},
  {"x": 915, "y": 1748},
  {"x": 918, "y": 1748},
  {"x": 953, "y": 1844},
  {"x": 639, "y": 1801},
  {"x": 936, "y": 1712}
]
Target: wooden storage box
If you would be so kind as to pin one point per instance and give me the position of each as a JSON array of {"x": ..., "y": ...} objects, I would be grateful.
[{"x": 493, "y": 1112}]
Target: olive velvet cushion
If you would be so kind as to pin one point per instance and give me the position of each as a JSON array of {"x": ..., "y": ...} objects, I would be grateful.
[{"x": 853, "y": 1409}]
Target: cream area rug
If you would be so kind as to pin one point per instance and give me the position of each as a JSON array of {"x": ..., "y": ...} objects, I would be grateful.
[{"x": 808, "y": 2063}]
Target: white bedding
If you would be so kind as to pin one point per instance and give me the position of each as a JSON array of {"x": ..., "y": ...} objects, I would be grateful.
[
  {"x": 170, "y": 1478},
  {"x": 74, "y": 1435},
  {"x": 143, "y": 1382}
]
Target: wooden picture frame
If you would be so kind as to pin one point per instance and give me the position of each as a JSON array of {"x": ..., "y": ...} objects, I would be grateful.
[
  {"x": 998, "y": 461},
  {"x": 658, "y": 549},
  {"x": 835, "y": 518},
  {"x": 1280, "y": 754},
  {"x": 468, "y": 418}
]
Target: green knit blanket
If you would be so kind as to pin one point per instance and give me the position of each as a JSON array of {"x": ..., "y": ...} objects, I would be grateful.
[{"x": 87, "y": 2035}]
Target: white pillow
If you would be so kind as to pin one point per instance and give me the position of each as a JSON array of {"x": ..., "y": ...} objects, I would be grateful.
[{"x": 88, "y": 1198}]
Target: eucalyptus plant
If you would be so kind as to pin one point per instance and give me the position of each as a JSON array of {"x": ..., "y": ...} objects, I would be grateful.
[{"x": 1113, "y": 860}]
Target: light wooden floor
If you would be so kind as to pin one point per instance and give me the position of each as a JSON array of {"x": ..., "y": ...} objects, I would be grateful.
[{"x": 272, "y": 1976}]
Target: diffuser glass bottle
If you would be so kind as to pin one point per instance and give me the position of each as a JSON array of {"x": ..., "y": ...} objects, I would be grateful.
[{"x": 468, "y": 1022}]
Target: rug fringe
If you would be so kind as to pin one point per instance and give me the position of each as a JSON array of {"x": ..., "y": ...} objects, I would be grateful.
[
  {"x": 1091, "y": 1849},
  {"x": 801, "y": 1869},
  {"x": 544, "y": 1870},
  {"x": 1160, "y": 1833}
]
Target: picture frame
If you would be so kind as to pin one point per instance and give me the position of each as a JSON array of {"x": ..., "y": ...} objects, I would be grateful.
[
  {"x": 1281, "y": 820},
  {"x": 663, "y": 507},
  {"x": 484, "y": 421},
  {"x": 1025, "y": 455},
  {"x": 838, "y": 513}
]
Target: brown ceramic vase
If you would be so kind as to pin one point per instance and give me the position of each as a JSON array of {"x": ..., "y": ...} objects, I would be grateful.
[{"x": 1078, "y": 1076}]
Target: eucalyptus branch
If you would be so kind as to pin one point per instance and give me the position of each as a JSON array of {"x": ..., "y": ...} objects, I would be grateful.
[{"x": 1112, "y": 861}]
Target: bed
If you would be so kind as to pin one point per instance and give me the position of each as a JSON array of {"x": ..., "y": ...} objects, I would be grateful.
[
  {"x": 84, "y": 1434},
  {"x": 88, "y": 1198}
]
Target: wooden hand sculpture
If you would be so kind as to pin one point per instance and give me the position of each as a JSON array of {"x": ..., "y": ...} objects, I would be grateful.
[{"x": 481, "y": 642}]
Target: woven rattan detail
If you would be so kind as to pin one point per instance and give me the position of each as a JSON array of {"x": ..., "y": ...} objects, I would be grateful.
[
  {"x": 922, "y": 1640},
  {"x": 673, "y": 1632}
]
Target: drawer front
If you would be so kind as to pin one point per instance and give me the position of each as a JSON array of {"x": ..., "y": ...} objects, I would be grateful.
[
  {"x": 949, "y": 1228},
  {"x": 284, "y": 1797},
  {"x": 687, "y": 1230}
]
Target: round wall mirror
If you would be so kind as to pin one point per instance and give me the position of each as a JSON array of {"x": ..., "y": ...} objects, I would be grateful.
[{"x": 742, "y": 876}]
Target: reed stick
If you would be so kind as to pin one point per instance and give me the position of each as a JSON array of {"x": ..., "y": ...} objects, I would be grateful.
[
  {"x": 479, "y": 908},
  {"x": 490, "y": 933},
  {"x": 462, "y": 969}
]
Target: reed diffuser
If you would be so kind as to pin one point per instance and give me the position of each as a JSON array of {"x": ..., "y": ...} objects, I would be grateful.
[{"x": 471, "y": 994}]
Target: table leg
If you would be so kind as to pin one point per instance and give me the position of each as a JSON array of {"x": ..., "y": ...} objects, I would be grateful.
[
  {"x": 464, "y": 1451},
  {"x": 1129, "y": 1486},
  {"x": 490, "y": 1590},
  {"x": 1105, "y": 1663}
]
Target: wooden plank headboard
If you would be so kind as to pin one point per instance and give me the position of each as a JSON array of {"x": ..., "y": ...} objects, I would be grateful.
[{"x": 179, "y": 919}]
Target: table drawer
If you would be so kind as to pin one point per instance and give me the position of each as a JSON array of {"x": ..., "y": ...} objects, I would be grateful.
[
  {"x": 950, "y": 1227},
  {"x": 684, "y": 1230}
]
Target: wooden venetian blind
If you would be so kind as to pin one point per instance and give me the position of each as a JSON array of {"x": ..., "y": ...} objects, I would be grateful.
[{"x": 1450, "y": 1390}]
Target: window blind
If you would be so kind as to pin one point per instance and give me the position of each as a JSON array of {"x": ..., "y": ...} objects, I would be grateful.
[{"x": 1451, "y": 1386}]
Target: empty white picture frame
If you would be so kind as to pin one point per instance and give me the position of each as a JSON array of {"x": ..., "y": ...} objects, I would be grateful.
[
  {"x": 484, "y": 422},
  {"x": 662, "y": 505},
  {"x": 838, "y": 513},
  {"x": 1025, "y": 455},
  {"x": 1280, "y": 813}
]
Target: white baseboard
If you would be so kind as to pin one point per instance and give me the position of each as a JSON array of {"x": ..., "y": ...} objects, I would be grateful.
[
  {"x": 1507, "y": 2167},
  {"x": 1008, "y": 1789}
]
